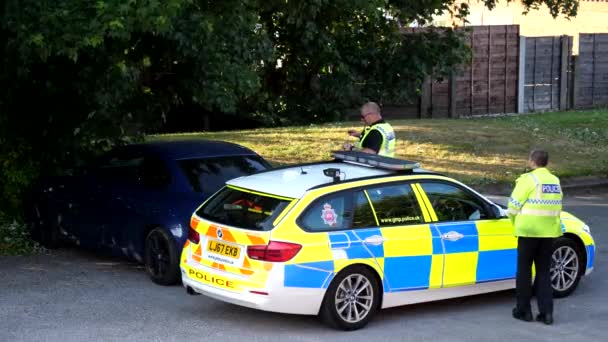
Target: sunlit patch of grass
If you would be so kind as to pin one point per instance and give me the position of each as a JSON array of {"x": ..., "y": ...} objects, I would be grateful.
[{"x": 478, "y": 151}]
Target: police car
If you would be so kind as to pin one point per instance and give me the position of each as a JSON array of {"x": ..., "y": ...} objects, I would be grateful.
[{"x": 344, "y": 238}]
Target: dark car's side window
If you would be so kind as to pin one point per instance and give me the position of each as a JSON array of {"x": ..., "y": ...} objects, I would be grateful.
[
  {"x": 395, "y": 205},
  {"x": 451, "y": 203},
  {"x": 207, "y": 175},
  {"x": 154, "y": 173},
  {"x": 120, "y": 166},
  {"x": 327, "y": 213}
]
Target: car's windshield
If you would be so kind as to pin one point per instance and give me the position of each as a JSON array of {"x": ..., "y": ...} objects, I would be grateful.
[
  {"x": 207, "y": 175},
  {"x": 242, "y": 209}
]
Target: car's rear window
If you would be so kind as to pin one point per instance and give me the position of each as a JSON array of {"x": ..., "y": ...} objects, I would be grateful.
[
  {"x": 243, "y": 209},
  {"x": 208, "y": 175}
]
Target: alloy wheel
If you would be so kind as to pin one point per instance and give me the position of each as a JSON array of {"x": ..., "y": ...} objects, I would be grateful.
[
  {"x": 354, "y": 298},
  {"x": 564, "y": 268}
]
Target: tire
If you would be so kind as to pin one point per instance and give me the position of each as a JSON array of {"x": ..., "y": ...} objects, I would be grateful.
[
  {"x": 161, "y": 259},
  {"x": 566, "y": 267},
  {"x": 338, "y": 310}
]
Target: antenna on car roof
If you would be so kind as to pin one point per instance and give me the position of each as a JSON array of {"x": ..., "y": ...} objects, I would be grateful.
[{"x": 374, "y": 160}]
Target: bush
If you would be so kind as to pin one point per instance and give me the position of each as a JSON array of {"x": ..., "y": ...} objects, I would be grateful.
[{"x": 15, "y": 238}]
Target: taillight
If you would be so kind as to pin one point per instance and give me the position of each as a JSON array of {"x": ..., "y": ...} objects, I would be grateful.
[
  {"x": 275, "y": 251},
  {"x": 193, "y": 236}
]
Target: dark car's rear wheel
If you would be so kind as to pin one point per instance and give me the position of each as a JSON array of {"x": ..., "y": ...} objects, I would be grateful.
[
  {"x": 161, "y": 257},
  {"x": 566, "y": 267}
]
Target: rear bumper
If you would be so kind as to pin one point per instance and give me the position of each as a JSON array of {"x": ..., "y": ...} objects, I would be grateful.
[{"x": 303, "y": 301}]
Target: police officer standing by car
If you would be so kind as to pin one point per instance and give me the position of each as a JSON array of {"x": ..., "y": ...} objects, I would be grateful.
[
  {"x": 534, "y": 209},
  {"x": 378, "y": 136}
]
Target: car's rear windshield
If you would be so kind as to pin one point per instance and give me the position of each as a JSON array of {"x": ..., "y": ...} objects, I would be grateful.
[
  {"x": 243, "y": 209},
  {"x": 208, "y": 175}
]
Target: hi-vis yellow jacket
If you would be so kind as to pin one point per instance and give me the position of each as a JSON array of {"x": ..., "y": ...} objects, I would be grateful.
[
  {"x": 535, "y": 204},
  {"x": 388, "y": 138}
]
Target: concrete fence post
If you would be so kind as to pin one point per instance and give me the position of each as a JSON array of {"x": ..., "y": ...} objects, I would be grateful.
[{"x": 521, "y": 78}]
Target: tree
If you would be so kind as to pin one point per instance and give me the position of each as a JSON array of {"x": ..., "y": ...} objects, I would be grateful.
[{"x": 79, "y": 76}]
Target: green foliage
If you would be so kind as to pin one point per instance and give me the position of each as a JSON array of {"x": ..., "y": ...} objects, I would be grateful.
[
  {"x": 81, "y": 76},
  {"x": 568, "y": 8},
  {"x": 15, "y": 239},
  {"x": 332, "y": 55}
]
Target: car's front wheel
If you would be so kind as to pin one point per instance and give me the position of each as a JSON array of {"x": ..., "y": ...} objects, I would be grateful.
[
  {"x": 161, "y": 257},
  {"x": 566, "y": 267},
  {"x": 351, "y": 299}
]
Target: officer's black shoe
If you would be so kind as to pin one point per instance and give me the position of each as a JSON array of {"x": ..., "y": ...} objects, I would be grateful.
[
  {"x": 545, "y": 318},
  {"x": 521, "y": 315}
]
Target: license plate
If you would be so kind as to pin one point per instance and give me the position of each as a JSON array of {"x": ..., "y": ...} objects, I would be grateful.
[{"x": 223, "y": 249}]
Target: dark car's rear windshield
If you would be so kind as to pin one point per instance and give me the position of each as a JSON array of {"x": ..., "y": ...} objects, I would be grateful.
[
  {"x": 208, "y": 175},
  {"x": 242, "y": 209}
]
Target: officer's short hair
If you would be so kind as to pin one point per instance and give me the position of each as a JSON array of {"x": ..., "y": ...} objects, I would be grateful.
[
  {"x": 539, "y": 157},
  {"x": 371, "y": 107}
]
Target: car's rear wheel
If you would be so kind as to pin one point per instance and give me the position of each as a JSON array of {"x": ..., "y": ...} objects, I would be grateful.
[
  {"x": 351, "y": 299},
  {"x": 161, "y": 257},
  {"x": 566, "y": 267}
]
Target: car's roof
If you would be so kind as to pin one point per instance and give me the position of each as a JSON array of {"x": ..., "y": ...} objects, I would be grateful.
[
  {"x": 194, "y": 148},
  {"x": 294, "y": 181}
]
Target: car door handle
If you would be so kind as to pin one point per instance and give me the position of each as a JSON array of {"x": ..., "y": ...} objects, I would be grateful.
[
  {"x": 374, "y": 240},
  {"x": 452, "y": 236}
]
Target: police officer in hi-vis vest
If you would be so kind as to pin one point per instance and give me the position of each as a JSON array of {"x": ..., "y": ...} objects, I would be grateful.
[
  {"x": 534, "y": 209},
  {"x": 378, "y": 137}
]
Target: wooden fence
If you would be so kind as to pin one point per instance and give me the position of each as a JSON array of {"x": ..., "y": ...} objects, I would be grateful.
[
  {"x": 591, "y": 71},
  {"x": 488, "y": 84},
  {"x": 510, "y": 74}
]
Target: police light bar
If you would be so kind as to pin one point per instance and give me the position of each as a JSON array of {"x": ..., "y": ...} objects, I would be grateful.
[{"x": 374, "y": 160}]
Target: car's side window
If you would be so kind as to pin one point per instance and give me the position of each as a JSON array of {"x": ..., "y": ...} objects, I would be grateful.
[
  {"x": 154, "y": 173},
  {"x": 208, "y": 175},
  {"x": 451, "y": 203},
  {"x": 327, "y": 213},
  {"x": 121, "y": 166},
  {"x": 363, "y": 216},
  {"x": 395, "y": 205}
]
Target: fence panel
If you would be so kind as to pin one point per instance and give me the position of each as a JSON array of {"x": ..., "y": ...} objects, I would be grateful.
[
  {"x": 488, "y": 85},
  {"x": 545, "y": 82},
  {"x": 592, "y": 71}
]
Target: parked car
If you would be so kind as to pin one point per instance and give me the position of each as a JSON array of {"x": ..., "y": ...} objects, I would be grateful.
[
  {"x": 343, "y": 238},
  {"x": 137, "y": 200}
]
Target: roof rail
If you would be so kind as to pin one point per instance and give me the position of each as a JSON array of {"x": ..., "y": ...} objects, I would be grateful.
[{"x": 375, "y": 161}]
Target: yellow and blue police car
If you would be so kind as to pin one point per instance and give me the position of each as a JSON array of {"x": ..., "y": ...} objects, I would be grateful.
[{"x": 344, "y": 238}]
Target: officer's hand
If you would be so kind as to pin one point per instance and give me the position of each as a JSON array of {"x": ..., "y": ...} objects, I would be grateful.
[
  {"x": 347, "y": 147},
  {"x": 353, "y": 133}
]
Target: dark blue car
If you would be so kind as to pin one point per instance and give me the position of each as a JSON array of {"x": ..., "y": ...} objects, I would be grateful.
[{"x": 137, "y": 200}]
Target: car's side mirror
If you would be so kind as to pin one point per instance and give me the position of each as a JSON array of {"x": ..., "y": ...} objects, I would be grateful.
[{"x": 497, "y": 212}]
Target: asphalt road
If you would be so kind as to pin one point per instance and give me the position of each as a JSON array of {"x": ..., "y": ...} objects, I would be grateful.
[{"x": 72, "y": 295}]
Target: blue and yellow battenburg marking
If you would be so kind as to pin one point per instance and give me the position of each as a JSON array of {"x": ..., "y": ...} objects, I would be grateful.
[{"x": 416, "y": 257}]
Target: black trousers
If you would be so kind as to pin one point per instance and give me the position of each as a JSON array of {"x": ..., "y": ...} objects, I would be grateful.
[{"x": 537, "y": 250}]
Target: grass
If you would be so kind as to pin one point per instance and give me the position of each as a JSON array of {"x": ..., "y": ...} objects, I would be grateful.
[{"x": 477, "y": 151}]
